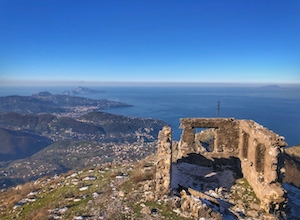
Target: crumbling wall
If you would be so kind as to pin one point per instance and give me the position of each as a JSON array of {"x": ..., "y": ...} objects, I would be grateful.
[
  {"x": 164, "y": 161},
  {"x": 258, "y": 149},
  {"x": 262, "y": 163},
  {"x": 226, "y": 136}
]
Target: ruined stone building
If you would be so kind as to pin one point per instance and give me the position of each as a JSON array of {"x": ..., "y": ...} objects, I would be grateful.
[{"x": 255, "y": 150}]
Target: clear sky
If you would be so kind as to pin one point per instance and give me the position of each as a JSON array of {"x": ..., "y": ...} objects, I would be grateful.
[{"x": 150, "y": 41}]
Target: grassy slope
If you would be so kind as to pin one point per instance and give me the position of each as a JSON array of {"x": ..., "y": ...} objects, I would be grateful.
[{"x": 107, "y": 196}]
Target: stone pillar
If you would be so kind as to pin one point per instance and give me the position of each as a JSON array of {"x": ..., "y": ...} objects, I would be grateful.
[
  {"x": 164, "y": 161},
  {"x": 187, "y": 142}
]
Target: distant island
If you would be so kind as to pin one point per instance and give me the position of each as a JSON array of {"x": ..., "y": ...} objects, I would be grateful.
[
  {"x": 81, "y": 91},
  {"x": 270, "y": 87}
]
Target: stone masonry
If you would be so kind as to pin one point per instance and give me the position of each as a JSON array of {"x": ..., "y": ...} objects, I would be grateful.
[
  {"x": 258, "y": 149},
  {"x": 164, "y": 161}
]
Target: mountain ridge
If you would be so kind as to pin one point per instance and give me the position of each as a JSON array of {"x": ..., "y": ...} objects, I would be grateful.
[{"x": 45, "y": 102}]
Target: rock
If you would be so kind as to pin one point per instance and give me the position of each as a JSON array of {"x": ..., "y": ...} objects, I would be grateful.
[
  {"x": 220, "y": 190},
  {"x": 145, "y": 210},
  {"x": 252, "y": 213},
  {"x": 177, "y": 211},
  {"x": 270, "y": 217},
  {"x": 95, "y": 195},
  {"x": 146, "y": 187},
  {"x": 62, "y": 210},
  {"x": 173, "y": 202},
  {"x": 32, "y": 193},
  {"x": 150, "y": 196},
  {"x": 73, "y": 175},
  {"x": 231, "y": 201},
  {"x": 89, "y": 178},
  {"x": 121, "y": 193},
  {"x": 254, "y": 206},
  {"x": 203, "y": 196},
  {"x": 83, "y": 188},
  {"x": 185, "y": 204}
]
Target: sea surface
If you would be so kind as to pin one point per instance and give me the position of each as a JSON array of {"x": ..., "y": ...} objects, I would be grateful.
[{"x": 277, "y": 108}]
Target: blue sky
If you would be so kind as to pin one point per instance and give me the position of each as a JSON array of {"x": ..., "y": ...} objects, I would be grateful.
[{"x": 227, "y": 41}]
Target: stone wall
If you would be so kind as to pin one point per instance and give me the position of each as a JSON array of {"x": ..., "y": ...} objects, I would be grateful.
[
  {"x": 258, "y": 149},
  {"x": 164, "y": 161},
  {"x": 262, "y": 163},
  {"x": 225, "y": 141}
]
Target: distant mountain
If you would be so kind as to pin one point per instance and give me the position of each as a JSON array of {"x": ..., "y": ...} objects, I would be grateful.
[
  {"x": 97, "y": 126},
  {"x": 270, "y": 87},
  {"x": 42, "y": 94},
  {"x": 121, "y": 126},
  {"x": 81, "y": 91},
  {"x": 60, "y": 144},
  {"x": 22, "y": 135},
  {"x": 18, "y": 144},
  {"x": 45, "y": 102},
  {"x": 27, "y": 123}
]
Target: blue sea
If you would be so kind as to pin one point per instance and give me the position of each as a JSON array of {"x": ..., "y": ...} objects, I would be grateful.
[{"x": 277, "y": 108}]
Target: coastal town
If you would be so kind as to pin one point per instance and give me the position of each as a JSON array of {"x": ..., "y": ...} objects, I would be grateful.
[{"x": 73, "y": 157}]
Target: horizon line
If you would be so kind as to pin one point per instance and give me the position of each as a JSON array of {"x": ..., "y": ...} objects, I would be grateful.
[{"x": 36, "y": 83}]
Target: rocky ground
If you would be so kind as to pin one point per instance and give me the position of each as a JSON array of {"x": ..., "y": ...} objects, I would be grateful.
[
  {"x": 219, "y": 189},
  {"x": 127, "y": 191},
  {"x": 113, "y": 191}
]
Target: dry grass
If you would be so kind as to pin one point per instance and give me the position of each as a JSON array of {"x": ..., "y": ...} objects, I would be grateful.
[
  {"x": 39, "y": 214},
  {"x": 54, "y": 191},
  {"x": 140, "y": 176},
  {"x": 114, "y": 210},
  {"x": 12, "y": 196},
  {"x": 144, "y": 170}
]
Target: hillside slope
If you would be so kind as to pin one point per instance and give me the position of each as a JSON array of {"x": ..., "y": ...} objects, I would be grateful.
[
  {"x": 18, "y": 144},
  {"x": 94, "y": 138},
  {"x": 96, "y": 126},
  {"x": 127, "y": 191}
]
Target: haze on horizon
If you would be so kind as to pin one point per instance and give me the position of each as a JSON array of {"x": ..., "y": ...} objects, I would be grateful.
[{"x": 131, "y": 42}]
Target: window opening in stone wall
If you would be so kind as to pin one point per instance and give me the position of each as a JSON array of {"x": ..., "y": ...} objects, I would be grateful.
[
  {"x": 260, "y": 158},
  {"x": 204, "y": 139},
  {"x": 245, "y": 144}
]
